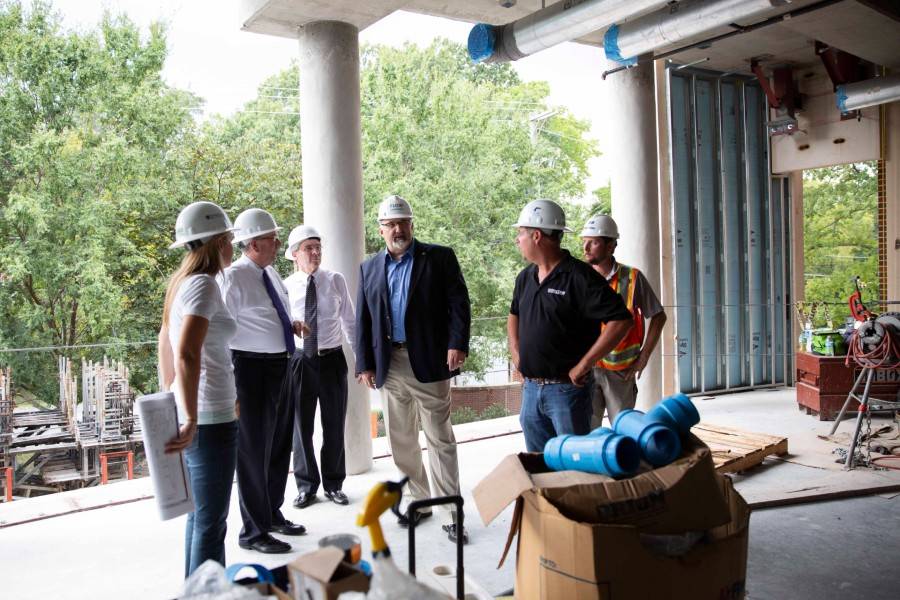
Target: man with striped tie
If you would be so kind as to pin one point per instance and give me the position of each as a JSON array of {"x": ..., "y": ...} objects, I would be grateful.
[
  {"x": 319, "y": 298},
  {"x": 261, "y": 348}
]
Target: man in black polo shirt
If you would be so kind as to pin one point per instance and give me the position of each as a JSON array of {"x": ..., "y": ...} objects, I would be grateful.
[{"x": 558, "y": 305}]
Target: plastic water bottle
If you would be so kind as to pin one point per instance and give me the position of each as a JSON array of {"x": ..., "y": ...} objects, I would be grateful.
[
  {"x": 829, "y": 346},
  {"x": 801, "y": 341},
  {"x": 809, "y": 337}
]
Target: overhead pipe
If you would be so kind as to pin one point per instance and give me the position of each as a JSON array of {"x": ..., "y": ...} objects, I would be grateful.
[
  {"x": 560, "y": 22},
  {"x": 624, "y": 43},
  {"x": 738, "y": 30},
  {"x": 869, "y": 92}
]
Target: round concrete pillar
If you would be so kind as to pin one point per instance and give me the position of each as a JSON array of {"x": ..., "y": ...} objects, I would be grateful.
[
  {"x": 630, "y": 100},
  {"x": 332, "y": 182}
]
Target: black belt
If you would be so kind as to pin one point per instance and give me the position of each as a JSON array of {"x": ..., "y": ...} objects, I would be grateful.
[
  {"x": 261, "y": 355},
  {"x": 327, "y": 351},
  {"x": 547, "y": 380},
  {"x": 399, "y": 344}
]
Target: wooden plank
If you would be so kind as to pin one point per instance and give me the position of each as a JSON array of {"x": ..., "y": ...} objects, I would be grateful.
[{"x": 735, "y": 450}]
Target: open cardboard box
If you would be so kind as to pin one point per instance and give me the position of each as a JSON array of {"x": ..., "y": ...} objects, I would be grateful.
[
  {"x": 588, "y": 536},
  {"x": 324, "y": 575}
]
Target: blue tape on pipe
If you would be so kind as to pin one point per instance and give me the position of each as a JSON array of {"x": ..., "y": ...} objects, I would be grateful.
[
  {"x": 481, "y": 42},
  {"x": 611, "y": 47},
  {"x": 841, "y": 96}
]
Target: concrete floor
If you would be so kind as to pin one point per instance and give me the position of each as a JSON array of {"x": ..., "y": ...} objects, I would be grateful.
[{"x": 823, "y": 550}]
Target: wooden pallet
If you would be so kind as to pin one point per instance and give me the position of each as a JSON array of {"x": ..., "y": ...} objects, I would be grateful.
[{"x": 736, "y": 450}]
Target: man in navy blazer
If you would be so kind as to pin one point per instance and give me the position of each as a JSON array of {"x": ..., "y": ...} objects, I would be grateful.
[{"x": 412, "y": 321}]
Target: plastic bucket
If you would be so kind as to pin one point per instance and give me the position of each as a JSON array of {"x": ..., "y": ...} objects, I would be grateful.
[
  {"x": 603, "y": 452},
  {"x": 659, "y": 443},
  {"x": 676, "y": 411}
]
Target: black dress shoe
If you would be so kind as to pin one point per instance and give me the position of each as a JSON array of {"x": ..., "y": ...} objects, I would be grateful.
[
  {"x": 304, "y": 499},
  {"x": 266, "y": 544},
  {"x": 338, "y": 497},
  {"x": 289, "y": 528},
  {"x": 452, "y": 532},
  {"x": 419, "y": 517}
]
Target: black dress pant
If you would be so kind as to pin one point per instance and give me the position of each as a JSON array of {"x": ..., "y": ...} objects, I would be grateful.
[
  {"x": 265, "y": 392},
  {"x": 322, "y": 380}
]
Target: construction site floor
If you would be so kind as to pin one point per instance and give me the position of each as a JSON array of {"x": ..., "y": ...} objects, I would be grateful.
[{"x": 108, "y": 542}]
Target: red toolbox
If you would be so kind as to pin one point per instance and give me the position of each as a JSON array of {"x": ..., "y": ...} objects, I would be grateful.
[{"x": 823, "y": 383}]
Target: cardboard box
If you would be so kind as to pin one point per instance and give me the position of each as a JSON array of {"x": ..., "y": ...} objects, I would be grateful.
[
  {"x": 590, "y": 537},
  {"x": 323, "y": 575}
]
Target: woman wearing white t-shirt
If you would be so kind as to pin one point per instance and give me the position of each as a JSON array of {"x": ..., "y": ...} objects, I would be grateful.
[{"x": 195, "y": 362}]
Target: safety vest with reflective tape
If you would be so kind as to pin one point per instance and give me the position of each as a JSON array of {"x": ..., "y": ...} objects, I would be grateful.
[{"x": 628, "y": 350}]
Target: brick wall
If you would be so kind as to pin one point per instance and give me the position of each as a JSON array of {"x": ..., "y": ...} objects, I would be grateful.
[{"x": 508, "y": 395}]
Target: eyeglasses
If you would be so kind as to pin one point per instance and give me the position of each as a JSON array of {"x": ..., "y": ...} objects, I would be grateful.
[{"x": 398, "y": 224}]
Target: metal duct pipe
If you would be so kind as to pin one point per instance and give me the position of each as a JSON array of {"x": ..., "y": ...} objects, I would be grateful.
[
  {"x": 624, "y": 43},
  {"x": 560, "y": 22},
  {"x": 870, "y": 92}
]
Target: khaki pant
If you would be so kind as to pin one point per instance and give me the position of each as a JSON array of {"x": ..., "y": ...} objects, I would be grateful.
[
  {"x": 408, "y": 403},
  {"x": 611, "y": 393}
]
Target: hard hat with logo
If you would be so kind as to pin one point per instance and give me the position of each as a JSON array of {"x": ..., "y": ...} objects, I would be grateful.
[
  {"x": 253, "y": 223},
  {"x": 394, "y": 207},
  {"x": 200, "y": 222},
  {"x": 299, "y": 234},
  {"x": 601, "y": 226},
  {"x": 543, "y": 214}
]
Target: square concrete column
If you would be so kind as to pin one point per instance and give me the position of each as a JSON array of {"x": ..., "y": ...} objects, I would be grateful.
[
  {"x": 332, "y": 182},
  {"x": 630, "y": 99}
]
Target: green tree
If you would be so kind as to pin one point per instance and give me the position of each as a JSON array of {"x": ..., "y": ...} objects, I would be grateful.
[
  {"x": 840, "y": 234},
  {"x": 86, "y": 202}
]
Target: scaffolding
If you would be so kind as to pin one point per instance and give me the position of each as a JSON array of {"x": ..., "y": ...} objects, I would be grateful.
[{"x": 67, "y": 447}]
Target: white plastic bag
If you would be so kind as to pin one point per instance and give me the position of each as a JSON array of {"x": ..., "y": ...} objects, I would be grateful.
[{"x": 209, "y": 582}]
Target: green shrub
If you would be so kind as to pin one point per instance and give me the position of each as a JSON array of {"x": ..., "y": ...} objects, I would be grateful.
[
  {"x": 463, "y": 414},
  {"x": 494, "y": 411}
]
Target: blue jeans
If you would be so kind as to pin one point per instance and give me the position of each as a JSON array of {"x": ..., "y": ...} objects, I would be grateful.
[
  {"x": 553, "y": 409},
  {"x": 211, "y": 460}
]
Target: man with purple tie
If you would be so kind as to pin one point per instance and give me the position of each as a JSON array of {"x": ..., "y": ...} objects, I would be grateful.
[{"x": 261, "y": 349}]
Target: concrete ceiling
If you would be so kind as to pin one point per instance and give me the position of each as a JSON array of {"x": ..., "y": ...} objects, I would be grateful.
[{"x": 852, "y": 26}]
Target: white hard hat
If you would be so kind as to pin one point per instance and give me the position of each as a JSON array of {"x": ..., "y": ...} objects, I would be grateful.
[
  {"x": 394, "y": 207},
  {"x": 299, "y": 234},
  {"x": 601, "y": 226},
  {"x": 543, "y": 214},
  {"x": 253, "y": 223},
  {"x": 200, "y": 222}
]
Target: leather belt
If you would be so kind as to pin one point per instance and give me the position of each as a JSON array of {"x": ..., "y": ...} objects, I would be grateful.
[
  {"x": 399, "y": 344},
  {"x": 547, "y": 380},
  {"x": 327, "y": 351},
  {"x": 261, "y": 355}
]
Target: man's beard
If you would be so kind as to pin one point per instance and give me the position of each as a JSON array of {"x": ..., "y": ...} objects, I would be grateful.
[{"x": 400, "y": 244}]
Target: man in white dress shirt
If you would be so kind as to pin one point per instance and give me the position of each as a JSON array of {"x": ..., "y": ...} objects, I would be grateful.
[
  {"x": 320, "y": 299},
  {"x": 261, "y": 348}
]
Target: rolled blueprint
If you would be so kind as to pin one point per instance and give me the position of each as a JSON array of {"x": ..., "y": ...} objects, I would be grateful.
[{"x": 168, "y": 472}]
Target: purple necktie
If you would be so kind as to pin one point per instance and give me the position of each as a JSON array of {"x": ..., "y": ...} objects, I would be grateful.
[{"x": 286, "y": 328}]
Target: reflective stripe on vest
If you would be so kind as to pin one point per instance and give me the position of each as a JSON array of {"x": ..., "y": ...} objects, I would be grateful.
[{"x": 628, "y": 350}]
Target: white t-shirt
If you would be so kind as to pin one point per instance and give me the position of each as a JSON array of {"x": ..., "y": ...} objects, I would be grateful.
[{"x": 199, "y": 295}]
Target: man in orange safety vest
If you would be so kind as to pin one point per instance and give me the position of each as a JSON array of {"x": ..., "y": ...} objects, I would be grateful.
[{"x": 615, "y": 375}]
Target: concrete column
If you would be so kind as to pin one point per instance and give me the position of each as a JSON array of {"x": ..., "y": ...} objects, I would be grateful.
[
  {"x": 892, "y": 209},
  {"x": 332, "y": 182},
  {"x": 631, "y": 102}
]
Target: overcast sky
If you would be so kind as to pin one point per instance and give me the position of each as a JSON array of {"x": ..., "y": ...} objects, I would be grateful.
[{"x": 210, "y": 56}]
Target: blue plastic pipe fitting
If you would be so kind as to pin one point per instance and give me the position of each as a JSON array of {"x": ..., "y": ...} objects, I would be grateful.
[
  {"x": 659, "y": 443},
  {"x": 676, "y": 411},
  {"x": 602, "y": 451}
]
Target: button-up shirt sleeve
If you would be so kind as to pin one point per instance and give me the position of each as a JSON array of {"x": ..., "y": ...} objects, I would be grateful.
[{"x": 347, "y": 312}]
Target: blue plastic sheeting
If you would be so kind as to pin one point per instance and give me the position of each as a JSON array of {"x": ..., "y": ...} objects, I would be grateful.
[
  {"x": 731, "y": 240},
  {"x": 611, "y": 47},
  {"x": 681, "y": 92},
  {"x": 482, "y": 40},
  {"x": 732, "y": 181}
]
